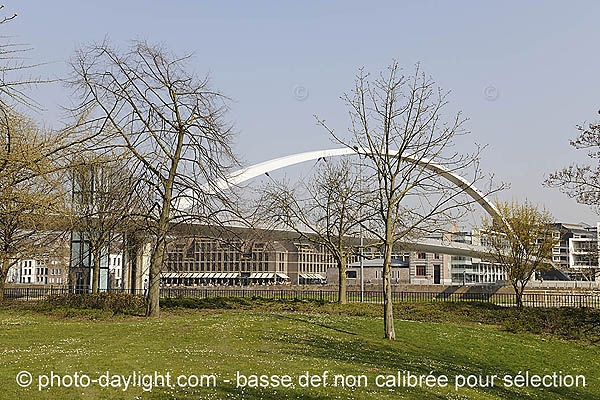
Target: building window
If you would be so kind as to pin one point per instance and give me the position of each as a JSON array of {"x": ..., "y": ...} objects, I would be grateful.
[
  {"x": 421, "y": 270},
  {"x": 421, "y": 256},
  {"x": 351, "y": 274}
]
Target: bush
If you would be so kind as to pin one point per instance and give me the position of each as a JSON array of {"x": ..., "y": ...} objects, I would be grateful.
[
  {"x": 124, "y": 303},
  {"x": 567, "y": 323}
]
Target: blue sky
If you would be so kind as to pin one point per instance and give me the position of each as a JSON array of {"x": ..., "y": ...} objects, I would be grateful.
[{"x": 540, "y": 56}]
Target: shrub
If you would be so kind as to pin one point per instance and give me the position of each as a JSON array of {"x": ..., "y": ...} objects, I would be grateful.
[
  {"x": 567, "y": 323},
  {"x": 115, "y": 302}
]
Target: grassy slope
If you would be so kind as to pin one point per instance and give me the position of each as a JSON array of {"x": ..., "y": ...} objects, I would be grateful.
[{"x": 185, "y": 342}]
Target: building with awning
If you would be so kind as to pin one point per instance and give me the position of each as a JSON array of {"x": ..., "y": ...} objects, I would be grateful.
[
  {"x": 197, "y": 260},
  {"x": 269, "y": 276},
  {"x": 307, "y": 279},
  {"x": 199, "y": 278}
]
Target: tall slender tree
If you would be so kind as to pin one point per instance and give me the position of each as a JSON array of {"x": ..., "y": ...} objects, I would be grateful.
[
  {"x": 397, "y": 124},
  {"x": 328, "y": 212},
  {"x": 145, "y": 101}
]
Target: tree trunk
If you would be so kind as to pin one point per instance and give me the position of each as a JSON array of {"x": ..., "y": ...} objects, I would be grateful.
[
  {"x": 342, "y": 298},
  {"x": 96, "y": 274},
  {"x": 3, "y": 276},
  {"x": 388, "y": 311},
  {"x": 519, "y": 294},
  {"x": 156, "y": 263}
]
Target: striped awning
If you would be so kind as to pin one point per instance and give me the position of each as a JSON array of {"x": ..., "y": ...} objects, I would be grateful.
[
  {"x": 313, "y": 276},
  {"x": 201, "y": 275},
  {"x": 262, "y": 275},
  {"x": 282, "y": 275}
]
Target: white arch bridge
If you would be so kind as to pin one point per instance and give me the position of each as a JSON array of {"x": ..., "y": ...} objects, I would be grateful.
[{"x": 426, "y": 245}]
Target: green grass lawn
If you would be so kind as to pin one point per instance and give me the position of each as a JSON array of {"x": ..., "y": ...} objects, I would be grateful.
[{"x": 262, "y": 341}]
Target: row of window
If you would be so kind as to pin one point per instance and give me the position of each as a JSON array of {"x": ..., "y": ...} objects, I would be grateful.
[
  {"x": 216, "y": 267},
  {"x": 394, "y": 274},
  {"x": 41, "y": 271}
]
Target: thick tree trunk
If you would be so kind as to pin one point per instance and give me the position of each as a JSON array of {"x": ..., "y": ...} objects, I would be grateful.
[
  {"x": 388, "y": 311},
  {"x": 342, "y": 297},
  {"x": 4, "y": 265},
  {"x": 2, "y": 281},
  {"x": 96, "y": 274},
  {"x": 519, "y": 294},
  {"x": 156, "y": 263}
]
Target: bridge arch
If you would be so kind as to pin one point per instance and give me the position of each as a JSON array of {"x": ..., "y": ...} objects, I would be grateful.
[{"x": 245, "y": 174}]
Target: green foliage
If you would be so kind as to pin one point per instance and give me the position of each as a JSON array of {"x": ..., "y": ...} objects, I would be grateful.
[
  {"x": 520, "y": 241},
  {"x": 567, "y": 323}
]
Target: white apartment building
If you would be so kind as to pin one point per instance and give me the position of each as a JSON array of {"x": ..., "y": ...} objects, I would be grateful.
[
  {"x": 583, "y": 252},
  {"x": 470, "y": 270},
  {"x": 27, "y": 271},
  {"x": 38, "y": 271},
  {"x": 577, "y": 254},
  {"x": 115, "y": 270}
]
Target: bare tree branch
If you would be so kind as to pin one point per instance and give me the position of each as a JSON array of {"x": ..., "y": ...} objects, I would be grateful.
[{"x": 147, "y": 105}]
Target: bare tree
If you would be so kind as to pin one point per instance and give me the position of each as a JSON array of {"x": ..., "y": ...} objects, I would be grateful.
[
  {"x": 104, "y": 198},
  {"x": 397, "y": 124},
  {"x": 521, "y": 243},
  {"x": 145, "y": 102},
  {"x": 328, "y": 212},
  {"x": 13, "y": 83},
  {"x": 581, "y": 182}
]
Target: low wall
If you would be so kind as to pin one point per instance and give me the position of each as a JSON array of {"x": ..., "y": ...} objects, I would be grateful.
[
  {"x": 436, "y": 288},
  {"x": 569, "y": 286},
  {"x": 564, "y": 285}
]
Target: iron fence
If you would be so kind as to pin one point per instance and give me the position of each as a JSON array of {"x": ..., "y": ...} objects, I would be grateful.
[{"x": 556, "y": 299}]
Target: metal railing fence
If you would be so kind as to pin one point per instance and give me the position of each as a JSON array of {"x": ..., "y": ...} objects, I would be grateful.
[{"x": 591, "y": 300}]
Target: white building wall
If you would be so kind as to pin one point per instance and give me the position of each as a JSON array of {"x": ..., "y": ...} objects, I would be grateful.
[
  {"x": 28, "y": 270},
  {"x": 115, "y": 270},
  {"x": 14, "y": 274}
]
